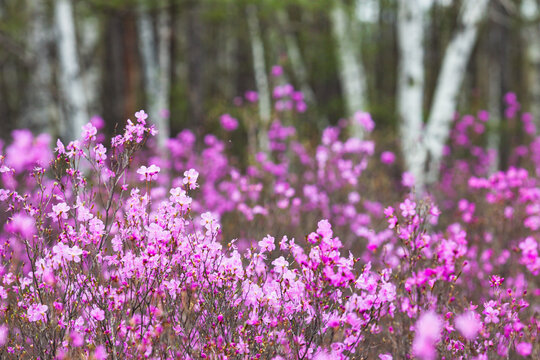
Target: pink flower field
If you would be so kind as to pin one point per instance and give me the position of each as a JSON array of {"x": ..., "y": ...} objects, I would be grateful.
[{"x": 116, "y": 249}]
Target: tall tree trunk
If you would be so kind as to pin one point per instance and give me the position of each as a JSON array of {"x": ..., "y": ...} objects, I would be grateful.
[
  {"x": 195, "y": 64},
  {"x": 113, "y": 79},
  {"x": 411, "y": 22},
  {"x": 449, "y": 81},
  {"x": 130, "y": 64},
  {"x": 39, "y": 110},
  {"x": 495, "y": 87},
  {"x": 261, "y": 76},
  {"x": 530, "y": 13},
  {"x": 156, "y": 69},
  {"x": 90, "y": 36},
  {"x": 351, "y": 71},
  {"x": 227, "y": 59},
  {"x": 295, "y": 56},
  {"x": 71, "y": 84}
]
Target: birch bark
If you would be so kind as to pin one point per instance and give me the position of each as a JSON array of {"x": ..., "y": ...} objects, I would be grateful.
[
  {"x": 449, "y": 82},
  {"x": 156, "y": 69},
  {"x": 351, "y": 71},
  {"x": 411, "y": 24},
  {"x": 71, "y": 83},
  {"x": 530, "y": 13},
  {"x": 261, "y": 77}
]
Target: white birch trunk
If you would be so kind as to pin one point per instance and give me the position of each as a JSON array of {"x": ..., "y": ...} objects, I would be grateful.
[
  {"x": 494, "y": 105},
  {"x": 530, "y": 13},
  {"x": 156, "y": 70},
  {"x": 261, "y": 76},
  {"x": 411, "y": 24},
  {"x": 351, "y": 71},
  {"x": 39, "y": 109},
  {"x": 449, "y": 82},
  {"x": 295, "y": 57},
  {"x": 71, "y": 83},
  {"x": 367, "y": 11}
]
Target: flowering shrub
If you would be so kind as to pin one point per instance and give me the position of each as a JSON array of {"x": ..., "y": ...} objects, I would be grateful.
[{"x": 112, "y": 252}]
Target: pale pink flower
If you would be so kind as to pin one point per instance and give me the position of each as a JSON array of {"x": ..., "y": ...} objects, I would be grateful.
[
  {"x": 428, "y": 334},
  {"x": 468, "y": 325},
  {"x": 37, "y": 312},
  {"x": 148, "y": 173},
  {"x": 190, "y": 178},
  {"x": 97, "y": 314}
]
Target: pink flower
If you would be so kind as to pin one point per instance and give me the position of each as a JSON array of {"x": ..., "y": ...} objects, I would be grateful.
[
  {"x": 37, "y": 312},
  {"x": 100, "y": 353},
  {"x": 324, "y": 229},
  {"x": 148, "y": 173},
  {"x": 428, "y": 334},
  {"x": 60, "y": 211},
  {"x": 385, "y": 357},
  {"x": 190, "y": 178},
  {"x": 280, "y": 264},
  {"x": 407, "y": 179},
  {"x": 251, "y": 96},
  {"x": 89, "y": 132},
  {"x": 4, "y": 331},
  {"x": 364, "y": 119},
  {"x": 75, "y": 253},
  {"x": 100, "y": 153},
  {"x": 267, "y": 244},
  {"x": 77, "y": 339},
  {"x": 496, "y": 281},
  {"x": 60, "y": 148},
  {"x": 408, "y": 208},
  {"x": 141, "y": 116},
  {"x": 97, "y": 314},
  {"x": 468, "y": 325},
  {"x": 524, "y": 348},
  {"x": 388, "y": 157},
  {"x": 277, "y": 70},
  {"x": 491, "y": 312},
  {"x": 228, "y": 123}
]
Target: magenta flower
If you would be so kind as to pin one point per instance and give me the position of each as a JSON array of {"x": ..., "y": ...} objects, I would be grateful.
[
  {"x": 97, "y": 314},
  {"x": 388, "y": 157},
  {"x": 468, "y": 324},
  {"x": 4, "y": 331},
  {"x": 428, "y": 334},
  {"x": 100, "y": 353},
  {"x": 251, "y": 96},
  {"x": 228, "y": 123},
  {"x": 277, "y": 70},
  {"x": 524, "y": 348}
]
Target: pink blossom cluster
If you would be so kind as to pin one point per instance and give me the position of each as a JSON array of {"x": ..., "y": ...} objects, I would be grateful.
[{"x": 103, "y": 255}]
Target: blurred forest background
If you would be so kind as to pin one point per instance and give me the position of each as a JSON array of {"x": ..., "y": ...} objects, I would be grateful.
[{"x": 185, "y": 61}]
